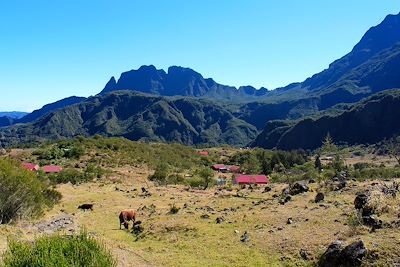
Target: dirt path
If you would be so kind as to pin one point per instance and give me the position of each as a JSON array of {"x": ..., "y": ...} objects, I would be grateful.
[{"x": 128, "y": 258}]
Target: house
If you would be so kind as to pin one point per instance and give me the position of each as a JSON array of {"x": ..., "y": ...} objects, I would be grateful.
[
  {"x": 219, "y": 167},
  {"x": 234, "y": 169},
  {"x": 30, "y": 166},
  {"x": 203, "y": 153},
  {"x": 250, "y": 179},
  {"x": 51, "y": 169}
]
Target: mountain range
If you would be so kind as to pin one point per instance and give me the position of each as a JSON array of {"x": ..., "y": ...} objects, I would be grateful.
[{"x": 179, "y": 105}]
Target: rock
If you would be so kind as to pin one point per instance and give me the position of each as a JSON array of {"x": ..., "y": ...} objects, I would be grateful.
[
  {"x": 353, "y": 254},
  {"x": 286, "y": 191},
  {"x": 137, "y": 229},
  {"x": 219, "y": 220},
  {"x": 289, "y": 221},
  {"x": 245, "y": 237},
  {"x": 361, "y": 201},
  {"x": 304, "y": 254},
  {"x": 267, "y": 189},
  {"x": 319, "y": 197},
  {"x": 331, "y": 257},
  {"x": 350, "y": 256},
  {"x": 311, "y": 181},
  {"x": 236, "y": 231},
  {"x": 298, "y": 188},
  {"x": 372, "y": 221},
  {"x": 340, "y": 185},
  {"x": 205, "y": 216}
]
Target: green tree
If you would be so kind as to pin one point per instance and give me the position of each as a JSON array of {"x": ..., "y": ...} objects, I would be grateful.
[
  {"x": 328, "y": 146},
  {"x": 251, "y": 165},
  {"x": 160, "y": 174},
  {"x": 393, "y": 148},
  {"x": 207, "y": 175},
  {"x": 317, "y": 163}
]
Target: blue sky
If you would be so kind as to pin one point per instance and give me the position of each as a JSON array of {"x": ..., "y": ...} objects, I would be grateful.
[{"x": 53, "y": 49}]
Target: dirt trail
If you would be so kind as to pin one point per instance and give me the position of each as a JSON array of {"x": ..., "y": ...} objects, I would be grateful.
[{"x": 128, "y": 258}]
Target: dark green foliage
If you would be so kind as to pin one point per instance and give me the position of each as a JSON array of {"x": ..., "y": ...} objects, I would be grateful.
[
  {"x": 21, "y": 193},
  {"x": 63, "y": 149},
  {"x": 265, "y": 161},
  {"x": 60, "y": 251},
  {"x": 75, "y": 176},
  {"x": 369, "y": 121},
  {"x": 139, "y": 117},
  {"x": 317, "y": 163},
  {"x": 375, "y": 172},
  {"x": 160, "y": 174},
  {"x": 206, "y": 174}
]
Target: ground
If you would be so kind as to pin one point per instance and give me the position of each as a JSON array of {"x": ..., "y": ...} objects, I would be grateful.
[{"x": 193, "y": 238}]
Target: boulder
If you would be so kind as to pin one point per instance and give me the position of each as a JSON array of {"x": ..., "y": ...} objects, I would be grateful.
[
  {"x": 361, "y": 201},
  {"x": 331, "y": 257},
  {"x": 298, "y": 188},
  {"x": 219, "y": 220},
  {"x": 353, "y": 254},
  {"x": 349, "y": 256},
  {"x": 319, "y": 197},
  {"x": 245, "y": 237}
]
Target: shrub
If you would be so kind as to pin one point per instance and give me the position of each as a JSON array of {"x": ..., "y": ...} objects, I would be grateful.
[
  {"x": 61, "y": 251},
  {"x": 160, "y": 174},
  {"x": 21, "y": 193},
  {"x": 195, "y": 182}
]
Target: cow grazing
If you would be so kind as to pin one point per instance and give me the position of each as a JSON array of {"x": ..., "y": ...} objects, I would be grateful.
[
  {"x": 85, "y": 207},
  {"x": 125, "y": 216}
]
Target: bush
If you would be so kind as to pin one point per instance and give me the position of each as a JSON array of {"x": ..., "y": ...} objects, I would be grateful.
[
  {"x": 21, "y": 193},
  {"x": 61, "y": 251}
]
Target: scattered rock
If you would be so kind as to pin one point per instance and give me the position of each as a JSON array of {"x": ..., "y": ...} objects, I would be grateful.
[
  {"x": 245, "y": 237},
  {"x": 298, "y": 188},
  {"x": 339, "y": 185},
  {"x": 349, "y": 256},
  {"x": 236, "y": 231},
  {"x": 267, "y": 189},
  {"x": 311, "y": 181},
  {"x": 205, "y": 216},
  {"x": 289, "y": 221},
  {"x": 304, "y": 254},
  {"x": 353, "y": 254},
  {"x": 219, "y": 220},
  {"x": 284, "y": 200},
  {"x": 361, "y": 200},
  {"x": 319, "y": 197}
]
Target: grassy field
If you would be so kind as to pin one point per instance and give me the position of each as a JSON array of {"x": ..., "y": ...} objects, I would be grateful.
[
  {"x": 191, "y": 237},
  {"x": 187, "y": 239}
]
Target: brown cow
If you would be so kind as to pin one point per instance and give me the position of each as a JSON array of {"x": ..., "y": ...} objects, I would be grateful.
[{"x": 125, "y": 216}]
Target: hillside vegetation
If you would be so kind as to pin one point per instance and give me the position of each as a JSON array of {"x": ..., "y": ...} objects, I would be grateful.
[{"x": 367, "y": 122}]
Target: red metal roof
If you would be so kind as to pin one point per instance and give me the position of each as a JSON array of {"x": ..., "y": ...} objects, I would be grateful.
[
  {"x": 251, "y": 179},
  {"x": 51, "y": 169},
  {"x": 204, "y": 153},
  {"x": 234, "y": 168},
  {"x": 219, "y": 167},
  {"x": 30, "y": 166}
]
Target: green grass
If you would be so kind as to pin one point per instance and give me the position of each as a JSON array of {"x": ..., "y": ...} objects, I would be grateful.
[{"x": 61, "y": 251}]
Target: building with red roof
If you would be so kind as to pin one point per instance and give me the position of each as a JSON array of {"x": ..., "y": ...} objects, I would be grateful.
[
  {"x": 219, "y": 167},
  {"x": 203, "y": 153},
  {"x": 30, "y": 166},
  {"x": 251, "y": 179},
  {"x": 52, "y": 169},
  {"x": 234, "y": 169}
]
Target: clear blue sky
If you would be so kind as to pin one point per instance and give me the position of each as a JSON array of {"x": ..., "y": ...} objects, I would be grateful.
[{"x": 57, "y": 48}]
